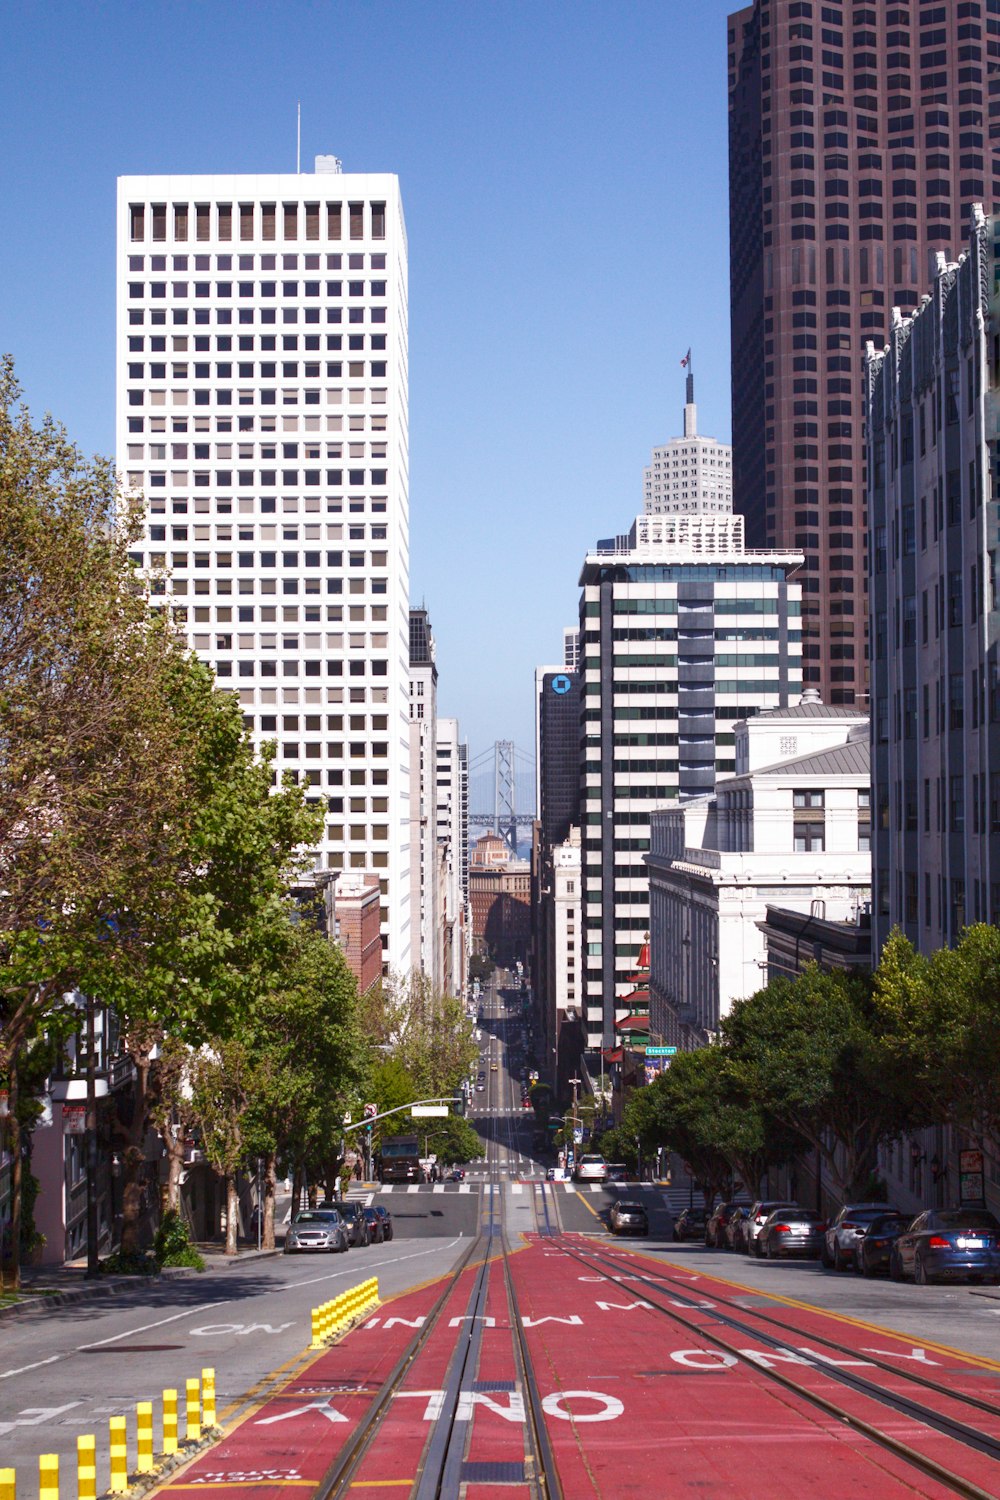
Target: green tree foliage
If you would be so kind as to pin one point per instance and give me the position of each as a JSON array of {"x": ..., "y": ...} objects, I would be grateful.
[
  {"x": 426, "y": 1031},
  {"x": 277, "y": 1088},
  {"x": 941, "y": 1018},
  {"x": 814, "y": 1052}
]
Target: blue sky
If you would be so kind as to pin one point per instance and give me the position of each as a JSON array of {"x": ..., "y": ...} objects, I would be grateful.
[{"x": 564, "y": 177}]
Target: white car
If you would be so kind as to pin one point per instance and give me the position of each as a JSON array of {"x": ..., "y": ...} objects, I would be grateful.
[{"x": 591, "y": 1169}]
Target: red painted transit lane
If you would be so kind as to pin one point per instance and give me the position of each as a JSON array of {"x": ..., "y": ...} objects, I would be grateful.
[{"x": 635, "y": 1403}]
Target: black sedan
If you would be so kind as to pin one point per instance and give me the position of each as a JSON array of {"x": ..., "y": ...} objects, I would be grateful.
[
  {"x": 874, "y": 1246},
  {"x": 690, "y": 1224},
  {"x": 376, "y": 1229},
  {"x": 627, "y": 1217},
  {"x": 791, "y": 1231},
  {"x": 948, "y": 1244}
]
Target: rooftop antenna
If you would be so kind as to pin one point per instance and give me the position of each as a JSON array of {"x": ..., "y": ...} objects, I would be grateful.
[{"x": 298, "y": 140}]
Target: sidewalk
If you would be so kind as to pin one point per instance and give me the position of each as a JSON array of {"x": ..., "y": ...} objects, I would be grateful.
[{"x": 46, "y": 1287}]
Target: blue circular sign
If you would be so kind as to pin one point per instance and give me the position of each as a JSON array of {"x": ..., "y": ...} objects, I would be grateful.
[{"x": 561, "y": 684}]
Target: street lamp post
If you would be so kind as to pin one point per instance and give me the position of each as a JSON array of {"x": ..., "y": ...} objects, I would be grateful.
[
  {"x": 93, "y": 1255},
  {"x": 575, "y": 1084}
]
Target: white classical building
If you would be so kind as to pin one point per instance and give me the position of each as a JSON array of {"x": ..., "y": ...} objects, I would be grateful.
[
  {"x": 690, "y": 473},
  {"x": 262, "y": 413},
  {"x": 792, "y": 828}
]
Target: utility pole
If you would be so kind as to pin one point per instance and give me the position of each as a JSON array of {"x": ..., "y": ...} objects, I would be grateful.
[{"x": 93, "y": 1254}]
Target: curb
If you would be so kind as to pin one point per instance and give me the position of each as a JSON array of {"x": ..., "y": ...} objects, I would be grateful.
[{"x": 36, "y": 1303}]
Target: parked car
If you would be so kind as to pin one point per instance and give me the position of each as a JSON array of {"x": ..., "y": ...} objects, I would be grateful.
[
  {"x": 956, "y": 1243},
  {"x": 388, "y": 1231},
  {"x": 353, "y": 1214},
  {"x": 736, "y": 1229},
  {"x": 591, "y": 1168},
  {"x": 844, "y": 1228},
  {"x": 790, "y": 1231},
  {"x": 376, "y": 1230},
  {"x": 617, "y": 1172},
  {"x": 316, "y": 1229},
  {"x": 760, "y": 1212},
  {"x": 715, "y": 1229},
  {"x": 873, "y": 1247},
  {"x": 628, "y": 1217},
  {"x": 690, "y": 1224}
]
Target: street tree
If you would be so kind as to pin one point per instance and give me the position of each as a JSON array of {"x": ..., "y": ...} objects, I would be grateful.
[
  {"x": 941, "y": 1016},
  {"x": 813, "y": 1052}
]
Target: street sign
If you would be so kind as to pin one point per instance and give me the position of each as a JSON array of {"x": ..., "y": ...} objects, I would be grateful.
[
  {"x": 971, "y": 1190},
  {"x": 370, "y": 1111},
  {"x": 74, "y": 1119},
  {"x": 578, "y": 1135},
  {"x": 661, "y": 1051},
  {"x": 429, "y": 1111},
  {"x": 347, "y": 1117}
]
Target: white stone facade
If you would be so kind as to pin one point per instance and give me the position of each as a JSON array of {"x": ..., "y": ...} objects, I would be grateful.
[
  {"x": 262, "y": 412},
  {"x": 690, "y": 473},
  {"x": 796, "y": 833},
  {"x": 452, "y": 801}
]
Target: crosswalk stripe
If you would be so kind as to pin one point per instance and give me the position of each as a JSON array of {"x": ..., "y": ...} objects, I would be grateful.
[
  {"x": 414, "y": 1188},
  {"x": 438, "y": 1187}
]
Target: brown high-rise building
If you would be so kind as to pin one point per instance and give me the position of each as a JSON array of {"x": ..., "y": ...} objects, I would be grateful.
[{"x": 859, "y": 138}]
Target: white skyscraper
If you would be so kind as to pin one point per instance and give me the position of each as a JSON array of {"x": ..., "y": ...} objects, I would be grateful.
[
  {"x": 691, "y": 474},
  {"x": 262, "y": 412}
]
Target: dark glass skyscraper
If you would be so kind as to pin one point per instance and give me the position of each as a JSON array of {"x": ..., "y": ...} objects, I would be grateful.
[{"x": 860, "y": 135}]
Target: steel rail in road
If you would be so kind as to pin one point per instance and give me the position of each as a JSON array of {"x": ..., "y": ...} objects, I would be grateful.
[
  {"x": 975, "y": 1402},
  {"x": 968, "y": 1437},
  {"x": 443, "y": 1460}
]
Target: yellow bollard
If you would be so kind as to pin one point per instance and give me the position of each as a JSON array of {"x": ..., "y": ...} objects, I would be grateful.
[
  {"x": 208, "y": 1398},
  {"x": 119, "y": 1456},
  {"x": 86, "y": 1468},
  {"x": 170, "y": 1421},
  {"x": 317, "y": 1329},
  {"x": 48, "y": 1476},
  {"x": 144, "y": 1437},
  {"x": 192, "y": 1432},
  {"x": 8, "y": 1483}
]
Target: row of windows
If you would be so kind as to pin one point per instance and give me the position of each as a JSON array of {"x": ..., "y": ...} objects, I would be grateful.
[
  {"x": 310, "y": 342},
  {"x": 137, "y": 290},
  {"x": 257, "y": 560},
  {"x": 264, "y": 586},
  {"x": 246, "y": 369},
  {"x": 255, "y": 221},
  {"x": 245, "y": 478},
  {"x": 224, "y": 533},
  {"x": 293, "y": 262}
]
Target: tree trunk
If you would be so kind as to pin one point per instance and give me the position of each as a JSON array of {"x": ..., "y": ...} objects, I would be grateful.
[
  {"x": 134, "y": 1157},
  {"x": 232, "y": 1212},
  {"x": 270, "y": 1184},
  {"x": 10, "y": 1266},
  {"x": 173, "y": 1141}
]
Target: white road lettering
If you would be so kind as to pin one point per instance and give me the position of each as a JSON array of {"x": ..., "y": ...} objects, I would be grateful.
[
  {"x": 622, "y": 1306},
  {"x": 703, "y": 1359},
  {"x": 32, "y": 1416},
  {"x": 435, "y": 1402},
  {"x": 573, "y": 1321},
  {"x": 405, "y": 1322},
  {"x": 554, "y": 1406},
  {"x": 919, "y": 1356},
  {"x": 828, "y": 1359},
  {"x": 767, "y": 1358},
  {"x": 324, "y": 1407},
  {"x": 468, "y": 1400},
  {"x": 211, "y": 1330}
]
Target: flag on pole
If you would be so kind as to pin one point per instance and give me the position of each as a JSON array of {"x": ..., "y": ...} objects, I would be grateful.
[{"x": 686, "y": 360}]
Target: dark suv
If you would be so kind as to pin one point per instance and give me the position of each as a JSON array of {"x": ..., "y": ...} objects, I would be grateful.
[
  {"x": 715, "y": 1229},
  {"x": 353, "y": 1215}
]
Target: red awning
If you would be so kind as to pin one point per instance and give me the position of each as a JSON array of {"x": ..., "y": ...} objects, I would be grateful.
[
  {"x": 613, "y": 1054},
  {"x": 633, "y": 1023}
]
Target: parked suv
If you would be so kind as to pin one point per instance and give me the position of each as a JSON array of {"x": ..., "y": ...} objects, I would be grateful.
[
  {"x": 758, "y": 1217},
  {"x": 353, "y": 1214},
  {"x": 715, "y": 1229},
  {"x": 844, "y": 1231}
]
